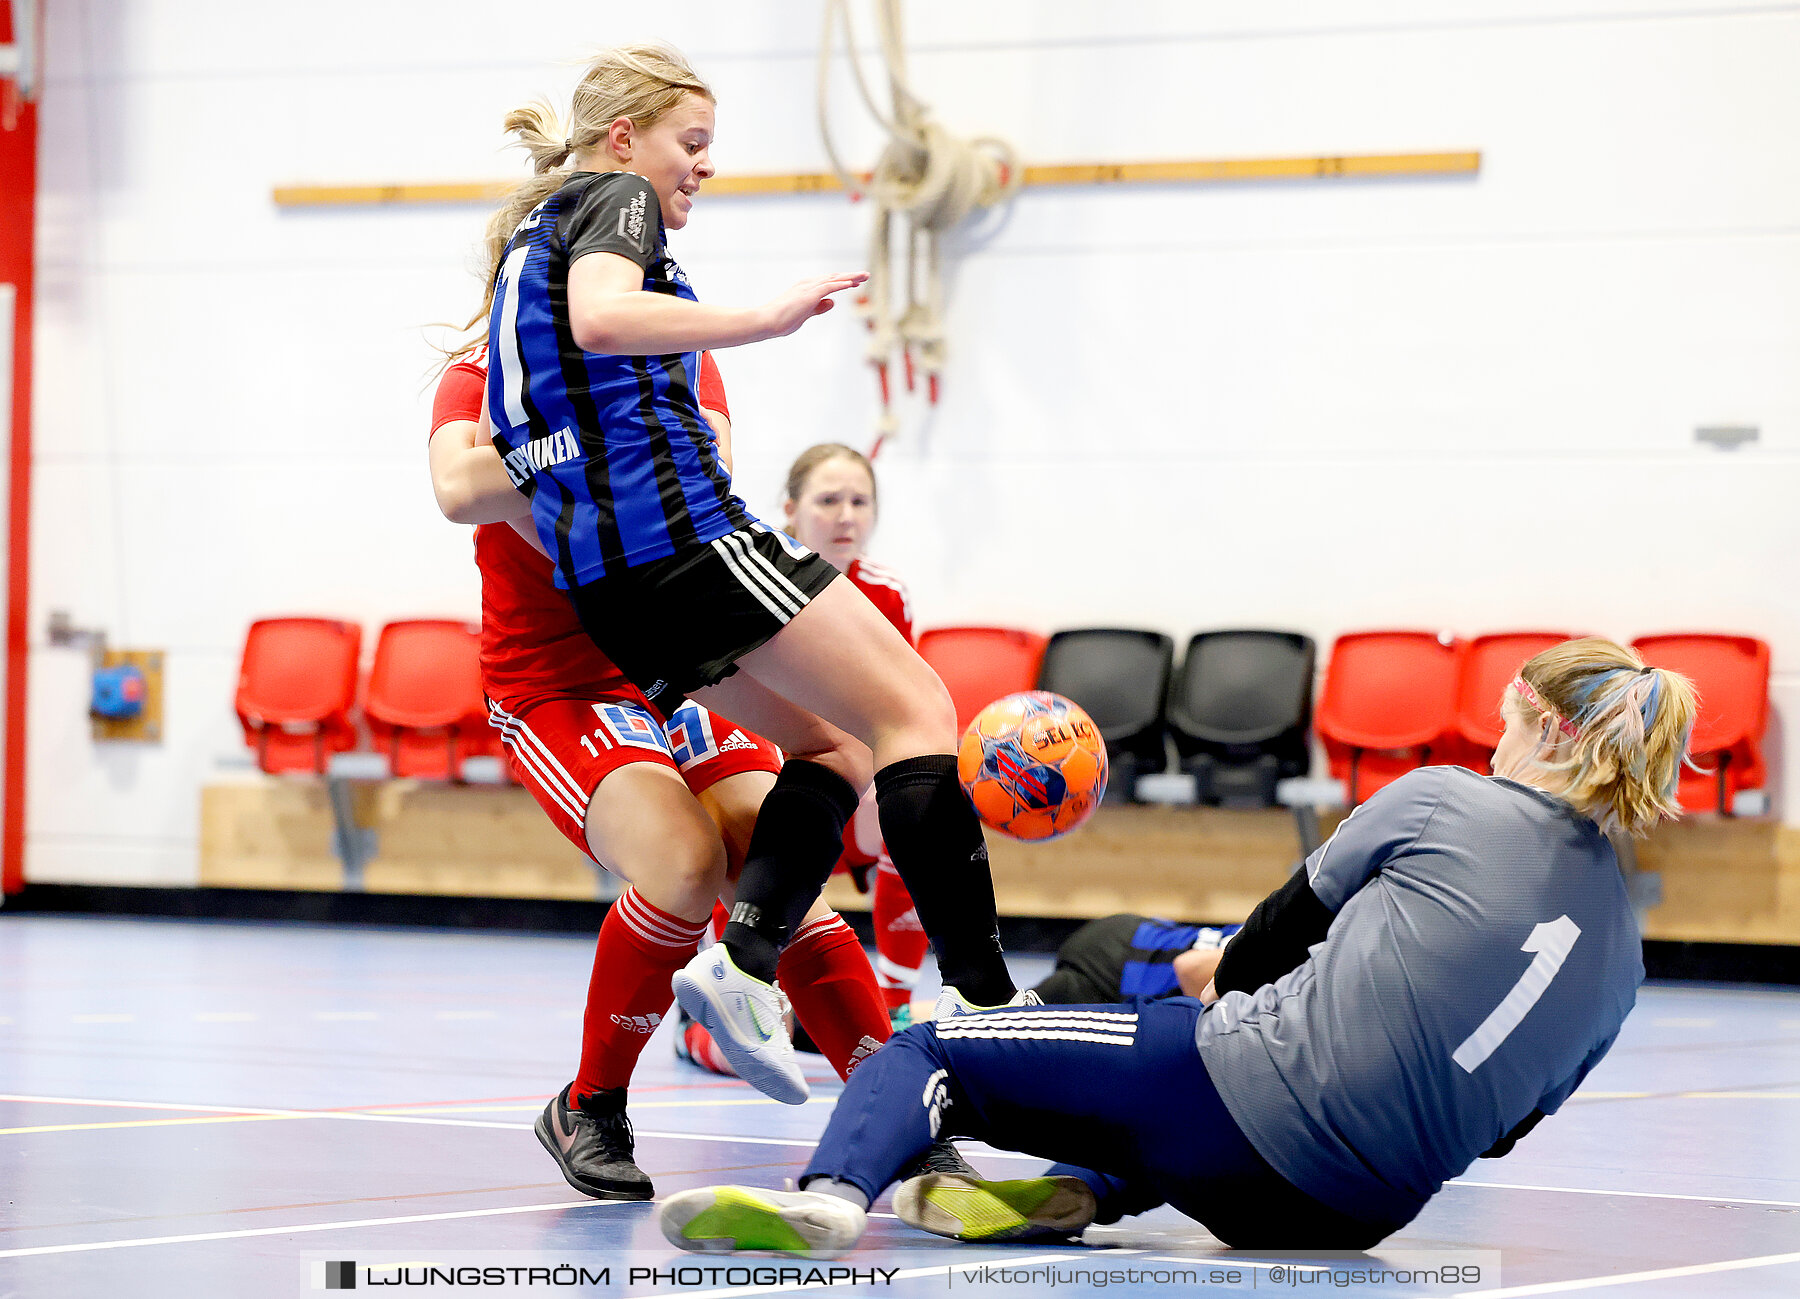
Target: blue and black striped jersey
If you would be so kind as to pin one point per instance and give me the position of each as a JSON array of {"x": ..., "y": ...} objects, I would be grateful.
[{"x": 612, "y": 451}]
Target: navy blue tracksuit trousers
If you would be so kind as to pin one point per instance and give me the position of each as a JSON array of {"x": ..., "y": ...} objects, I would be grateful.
[{"x": 1117, "y": 1094}]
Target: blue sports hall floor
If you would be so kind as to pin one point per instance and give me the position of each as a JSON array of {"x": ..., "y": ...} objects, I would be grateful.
[{"x": 220, "y": 1108}]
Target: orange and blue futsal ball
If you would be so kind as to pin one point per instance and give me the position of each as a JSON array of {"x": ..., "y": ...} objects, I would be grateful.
[{"x": 1033, "y": 765}]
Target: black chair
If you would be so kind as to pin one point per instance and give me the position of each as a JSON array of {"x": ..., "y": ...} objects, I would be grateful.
[
  {"x": 1241, "y": 712},
  {"x": 1121, "y": 678}
]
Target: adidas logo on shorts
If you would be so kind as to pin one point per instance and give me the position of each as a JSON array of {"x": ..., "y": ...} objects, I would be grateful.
[
  {"x": 645, "y": 1024},
  {"x": 736, "y": 740}
]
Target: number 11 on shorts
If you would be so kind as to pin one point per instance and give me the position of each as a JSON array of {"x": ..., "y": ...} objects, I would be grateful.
[{"x": 1551, "y": 941}]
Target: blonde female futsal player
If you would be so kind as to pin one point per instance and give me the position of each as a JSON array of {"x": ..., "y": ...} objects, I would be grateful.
[{"x": 594, "y": 338}]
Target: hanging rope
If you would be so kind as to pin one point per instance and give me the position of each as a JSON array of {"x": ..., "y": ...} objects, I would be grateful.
[{"x": 928, "y": 179}]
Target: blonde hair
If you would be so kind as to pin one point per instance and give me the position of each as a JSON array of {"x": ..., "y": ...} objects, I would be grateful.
[
  {"x": 1631, "y": 727},
  {"x": 639, "y": 82},
  {"x": 814, "y": 456}
]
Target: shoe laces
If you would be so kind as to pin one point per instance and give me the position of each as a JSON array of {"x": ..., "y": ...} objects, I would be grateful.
[
  {"x": 616, "y": 1133},
  {"x": 944, "y": 1157},
  {"x": 614, "y": 1130}
]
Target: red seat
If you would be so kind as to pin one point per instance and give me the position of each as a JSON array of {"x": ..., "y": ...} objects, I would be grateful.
[
  {"x": 425, "y": 707},
  {"x": 1731, "y": 674},
  {"x": 296, "y": 689},
  {"x": 1489, "y": 664},
  {"x": 1388, "y": 706},
  {"x": 981, "y": 664}
]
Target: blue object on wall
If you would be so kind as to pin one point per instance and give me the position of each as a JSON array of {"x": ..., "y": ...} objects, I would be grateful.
[{"x": 119, "y": 692}]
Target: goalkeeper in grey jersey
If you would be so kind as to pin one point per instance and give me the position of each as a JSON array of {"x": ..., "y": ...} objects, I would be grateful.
[{"x": 1441, "y": 975}]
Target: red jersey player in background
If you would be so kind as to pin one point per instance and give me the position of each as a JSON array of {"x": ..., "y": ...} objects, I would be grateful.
[
  {"x": 830, "y": 506},
  {"x": 667, "y": 803}
]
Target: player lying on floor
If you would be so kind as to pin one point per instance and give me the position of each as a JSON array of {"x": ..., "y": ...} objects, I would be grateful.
[{"x": 1443, "y": 973}]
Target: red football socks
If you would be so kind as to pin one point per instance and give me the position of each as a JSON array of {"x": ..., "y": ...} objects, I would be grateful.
[
  {"x": 900, "y": 941},
  {"x": 640, "y": 949},
  {"x": 826, "y": 974}
]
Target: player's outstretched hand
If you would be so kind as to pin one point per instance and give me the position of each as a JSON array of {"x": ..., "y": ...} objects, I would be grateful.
[{"x": 809, "y": 298}]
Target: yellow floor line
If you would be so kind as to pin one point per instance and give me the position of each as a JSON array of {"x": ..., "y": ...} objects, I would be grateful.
[{"x": 1740, "y": 1096}]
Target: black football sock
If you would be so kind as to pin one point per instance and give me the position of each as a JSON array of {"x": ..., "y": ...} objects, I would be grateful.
[
  {"x": 935, "y": 840},
  {"x": 798, "y": 838}
]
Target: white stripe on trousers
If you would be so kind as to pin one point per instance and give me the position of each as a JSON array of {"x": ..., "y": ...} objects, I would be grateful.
[
  {"x": 520, "y": 739},
  {"x": 1117, "y": 1021},
  {"x": 973, "y": 1028},
  {"x": 1118, "y": 1027}
]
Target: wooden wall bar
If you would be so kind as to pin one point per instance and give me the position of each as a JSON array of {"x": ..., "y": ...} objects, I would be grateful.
[{"x": 1194, "y": 171}]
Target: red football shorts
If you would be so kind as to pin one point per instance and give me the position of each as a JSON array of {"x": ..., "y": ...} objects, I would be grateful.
[
  {"x": 561, "y": 749},
  {"x": 708, "y": 748}
]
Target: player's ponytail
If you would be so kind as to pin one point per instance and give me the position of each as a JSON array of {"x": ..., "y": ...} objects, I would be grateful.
[
  {"x": 541, "y": 133},
  {"x": 1621, "y": 728}
]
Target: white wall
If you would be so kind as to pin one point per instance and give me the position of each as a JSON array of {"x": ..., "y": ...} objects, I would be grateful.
[{"x": 1461, "y": 403}]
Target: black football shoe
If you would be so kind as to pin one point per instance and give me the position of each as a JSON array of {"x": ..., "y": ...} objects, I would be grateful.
[{"x": 593, "y": 1145}]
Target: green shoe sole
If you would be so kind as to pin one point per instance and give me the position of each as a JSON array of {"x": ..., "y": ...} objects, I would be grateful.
[
  {"x": 746, "y": 1220},
  {"x": 726, "y": 1219},
  {"x": 964, "y": 1208}
]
